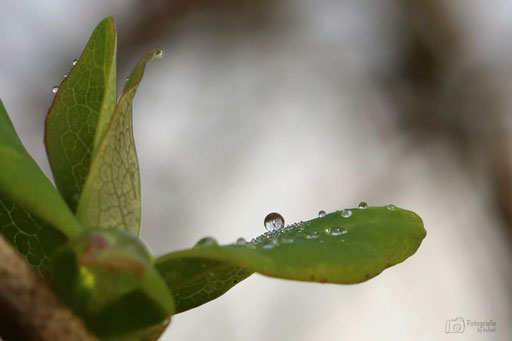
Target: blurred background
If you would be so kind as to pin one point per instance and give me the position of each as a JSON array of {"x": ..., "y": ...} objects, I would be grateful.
[{"x": 297, "y": 106}]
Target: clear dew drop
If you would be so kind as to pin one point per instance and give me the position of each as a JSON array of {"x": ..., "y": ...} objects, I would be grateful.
[
  {"x": 159, "y": 53},
  {"x": 65, "y": 75},
  {"x": 75, "y": 62},
  {"x": 362, "y": 205},
  {"x": 321, "y": 214},
  {"x": 273, "y": 221},
  {"x": 206, "y": 242},
  {"x": 338, "y": 231},
  {"x": 313, "y": 235},
  {"x": 286, "y": 240},
  {"x": 346, "y": 213},
  {"x": 271, "y": 244},
  {"x": 55, "y": 89},
  {"x": 241, "y": 241},
  {"x": 391, "y": 207}
]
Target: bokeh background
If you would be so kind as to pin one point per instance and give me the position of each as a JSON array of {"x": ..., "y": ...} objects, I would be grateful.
[{"x": 295, "y": 106}]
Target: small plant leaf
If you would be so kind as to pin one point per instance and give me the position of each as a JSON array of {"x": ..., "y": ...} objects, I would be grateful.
[
  {"x": 344, "y": 247},
  {"x": 111, "y": 195},
  {"x": 80, "y": 112},
  {"x": 33, "y": 216},
  {"x": 107, "y": 277}
]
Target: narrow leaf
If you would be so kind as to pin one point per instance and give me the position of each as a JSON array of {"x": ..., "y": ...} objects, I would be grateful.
[
  {"x": 344, "y": 247},
  {"x": 81, "y": 111},
  {"x": 33, "y": 216},
  {"x": 111, "y": 195}
]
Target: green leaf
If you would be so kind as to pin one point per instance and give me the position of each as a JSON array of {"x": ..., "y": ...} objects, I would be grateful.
[
  {"x": 111, "y": 195},
  {"x": 33, "y": 216},
  {"x": 107, "y": 277},
  {"x": 81, "y": 111},
  {"x": 344, "y": 247}
]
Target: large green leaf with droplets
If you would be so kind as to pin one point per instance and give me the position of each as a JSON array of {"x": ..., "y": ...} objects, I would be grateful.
[
  {"x": 33, "y": 216},
  {"x": 80, "y": 112},
  {"x": 107, "y": 277},
  {"x": 344, "y": 247},
  {"x": 111, "y": 196}
]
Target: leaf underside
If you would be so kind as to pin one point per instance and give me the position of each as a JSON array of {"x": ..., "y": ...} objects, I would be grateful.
[
  {"x": 33, "y": 216},
  {"x": 332, "y": 249},
  {"x": 111, "y": 196},
  {"x": 80, "y": 112}
]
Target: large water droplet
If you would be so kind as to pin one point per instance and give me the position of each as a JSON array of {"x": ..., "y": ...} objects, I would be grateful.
[
  {"x": 206, "y": 242},
  {"x": 241, "y": 241},
  {"x": 55, "y": 89},
  {"x": 321, "y": 214},
  {"x": 346, "y": 213},
  {"x": 362, "y": 205},
  {"x": 391, "y": 207},
  {"x": 75, "y": 62},
  {"x": 159, "y": 53},
  {"x": 273, "y": 221}
]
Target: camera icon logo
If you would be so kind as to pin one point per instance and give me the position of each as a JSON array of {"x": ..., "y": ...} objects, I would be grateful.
[{"x": 455, "y": 326}]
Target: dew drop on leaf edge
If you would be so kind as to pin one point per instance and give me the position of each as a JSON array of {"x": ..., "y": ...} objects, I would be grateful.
[
  {"x": 273, "y": 221},
  {"x": 241, "y": 241},
  {"x": 362, "y": 205},
  {"x": 391, "y": 207},
  {"x": 206, "y": 242},
  {"x": 346, "y": 213},
  {"x": 55, "y": 89},
  {"x": 321, "y": 214},
  {"x": 159, "y": 53},
  {"x": 75, "y": 62}
]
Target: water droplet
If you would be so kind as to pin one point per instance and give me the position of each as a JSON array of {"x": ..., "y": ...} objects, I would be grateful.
[
  {"x": 270, "y": 244},
  {"x": 206, "y": 242},
  {"x": 65, "y": 75},
  {"x": 391, "y": 207},
  {"x": 313, "y": 235},
  {"x": 328, "y": 230},
  {"x": 346, "y": 213},
  {"x": 338, "y": 231},
  {"x": 273, "y": 221},
  {"x": 55, "y": 89},
  {"x": 159, "y": 53},
  {"x": 286, "y": 240},
  {"x": 321, "y": 214},
  {"x": 241, "y": 241},
  {"x": 362, "y": 205},
  {"x": 75, "y": 62}
]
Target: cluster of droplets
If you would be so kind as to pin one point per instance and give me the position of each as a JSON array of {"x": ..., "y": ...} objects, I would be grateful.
[
  {"x": 278, "y": 233},
  {"x": 55, "y": 89},
  {"x": 291, "y": 233}
]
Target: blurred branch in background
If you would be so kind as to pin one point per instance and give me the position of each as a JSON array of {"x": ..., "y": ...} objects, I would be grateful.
[
  {"x": 442, "y": 93},
  {"x": 159, "y": 18}
]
